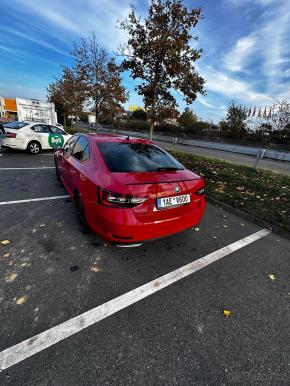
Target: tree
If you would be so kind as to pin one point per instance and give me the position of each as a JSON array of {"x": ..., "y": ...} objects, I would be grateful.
[
  {"x": 234, "y": 126},
  {"x": 67, "y": 93},
  {"x": 100, "y": 75},
  {"x": 188, "y": 119},
  {"x": 159, "y": 53},
  {"x": 139, "y": 115},
  {"x": 280, "y": 116}
]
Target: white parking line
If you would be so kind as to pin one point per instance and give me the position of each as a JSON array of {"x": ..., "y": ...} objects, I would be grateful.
[
  {"x": 37, "y": 343},
  {"x": 33, "y": 200},
  {"x": 39, "y": 168}
]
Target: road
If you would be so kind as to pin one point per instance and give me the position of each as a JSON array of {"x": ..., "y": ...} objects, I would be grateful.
[
  {"x": 176, "y": 335},
  {"x": 242, "y": 159}
]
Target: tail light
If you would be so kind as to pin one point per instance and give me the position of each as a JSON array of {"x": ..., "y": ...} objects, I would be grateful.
[
  {"x": 200, "y": 191},
  {"x": 11, "y": 135},
  {"x": 112, "y": 199}
]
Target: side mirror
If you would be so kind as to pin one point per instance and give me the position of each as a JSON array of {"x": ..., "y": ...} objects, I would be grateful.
[{"x": 56, "y": 148}]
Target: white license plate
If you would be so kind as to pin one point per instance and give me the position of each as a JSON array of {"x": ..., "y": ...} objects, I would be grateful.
[{"x": 166, "y": 202}]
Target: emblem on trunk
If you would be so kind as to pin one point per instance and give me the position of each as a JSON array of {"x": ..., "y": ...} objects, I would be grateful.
[{"x": 177, "y": 189}]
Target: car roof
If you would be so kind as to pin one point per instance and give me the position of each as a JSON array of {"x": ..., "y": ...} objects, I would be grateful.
[{"x": 115, "y": 138}]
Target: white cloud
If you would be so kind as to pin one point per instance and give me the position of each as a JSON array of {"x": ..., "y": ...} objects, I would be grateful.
[
  {"x": 237, "y": 58},
  {"x": 205, "y": 103},
  {"x": 221, "y": 83},
  {"x": 74, "y": 20},
  {"x": 38, "y": 41}
]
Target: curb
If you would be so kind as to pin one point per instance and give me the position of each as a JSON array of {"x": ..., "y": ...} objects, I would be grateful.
[{"x": 249, "y": 217}]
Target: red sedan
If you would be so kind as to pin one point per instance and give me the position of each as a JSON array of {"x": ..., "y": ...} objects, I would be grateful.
[{"x": 128, "y": 190}]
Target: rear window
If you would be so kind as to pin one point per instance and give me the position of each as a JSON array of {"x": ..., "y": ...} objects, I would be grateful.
[
  {"x": 136, "y": 157},
  {"x": 14, "y": 125}
]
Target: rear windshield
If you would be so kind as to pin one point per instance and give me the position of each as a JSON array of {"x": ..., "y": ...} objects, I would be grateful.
[
  {"x": 14, "y": 125},
  {"x": 136, "y": 157}
]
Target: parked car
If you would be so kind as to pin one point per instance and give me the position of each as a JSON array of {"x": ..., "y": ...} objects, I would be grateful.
[
  {"x": 128, "y": 190},
  {"x": 32, "y": 136}
]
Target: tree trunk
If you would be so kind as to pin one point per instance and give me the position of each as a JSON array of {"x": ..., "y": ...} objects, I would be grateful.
[
  {"x": 151, "y": 130},
  {"x": 153, "y": 108}
]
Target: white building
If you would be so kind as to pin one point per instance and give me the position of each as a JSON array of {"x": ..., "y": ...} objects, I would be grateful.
[{"x": 34, "y": 110}]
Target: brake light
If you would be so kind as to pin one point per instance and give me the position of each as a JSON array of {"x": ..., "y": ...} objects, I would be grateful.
[
  {"x": 109, "y": 198},
  {"x": 200, "y": 192},
  {"x": 11, "y": 135}
]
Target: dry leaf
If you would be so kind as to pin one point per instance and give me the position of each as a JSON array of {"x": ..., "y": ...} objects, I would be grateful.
[
  {"x": 5, "y": 242},
  {"x": 21, "y": 300},
  {"x": 196, "y": 229},
  {"x": 271, "y": 276},
  {"x": 42, "y": 225},
  {"x": 6, "y": 255},
  {"x": 11, "y": 278},
  {"x": 227, "y": 313}
]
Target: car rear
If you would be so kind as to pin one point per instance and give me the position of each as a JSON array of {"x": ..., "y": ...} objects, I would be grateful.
[
  {"x": 148, "y": 195},
  {"x": 15, "y": 137}
]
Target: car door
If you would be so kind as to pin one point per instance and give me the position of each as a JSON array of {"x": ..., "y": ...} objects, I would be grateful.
[
  {"x": 64, "y": 161},
  {"x": 80, "y": 154},
  {"x": 41, "y": 134},
  {"x": 58, "y": 137}
]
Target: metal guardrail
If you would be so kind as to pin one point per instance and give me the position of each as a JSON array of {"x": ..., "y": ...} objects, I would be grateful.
[{"x": 252, "y": 151}]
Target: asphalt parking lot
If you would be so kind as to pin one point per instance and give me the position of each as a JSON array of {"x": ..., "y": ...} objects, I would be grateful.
[{"x": 176, "y": 334}]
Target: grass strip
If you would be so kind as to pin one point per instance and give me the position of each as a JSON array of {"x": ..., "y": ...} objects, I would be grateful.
[{"x": 264, "y": 195}]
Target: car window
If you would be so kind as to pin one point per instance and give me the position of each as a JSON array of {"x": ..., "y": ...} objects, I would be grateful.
[
  {"x": 136, "y": 157},
  {"x": 81, "y": 150},
  {"x": 57, "y": 130},
  {"x": 40, "y": 129},
  {"x": 14, "y": 125},
  {"x": 70, "y": 144}
]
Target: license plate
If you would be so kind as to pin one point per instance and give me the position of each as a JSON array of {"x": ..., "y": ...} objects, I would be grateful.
[{"x": 166, "y": 202}]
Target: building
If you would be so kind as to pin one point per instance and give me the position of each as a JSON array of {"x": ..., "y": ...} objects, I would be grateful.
[
  {"x": 8, "y": 109},
  {"x": 27, "y": 110}
]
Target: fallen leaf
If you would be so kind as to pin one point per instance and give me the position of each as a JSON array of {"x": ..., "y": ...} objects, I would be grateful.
[
  {"x": 34, "y": 230},
  {"x": 225, "y": 226},
  {"x": 20, "y": 300},
  {"x": 42, "y": 225},
  {"x": 11, "y": 278},
  {"x": 196, "y": 229},
  {"x": 227, "y": 313},
  {"x": 271, "y": 276},
  {"x": 6, "y": 255},
  {"x": 94, "y": 269},
  {"x": 5, "y": 242}
]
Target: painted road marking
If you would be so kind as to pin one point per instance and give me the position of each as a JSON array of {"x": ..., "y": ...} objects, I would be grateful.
[
  {"x": 40, "y": 168},
  {"x": 33, "y": 200},
  {"x": 42, "y": 341}
]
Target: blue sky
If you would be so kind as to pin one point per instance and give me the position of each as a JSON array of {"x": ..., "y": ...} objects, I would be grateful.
[{"x": 246, "y": 47}]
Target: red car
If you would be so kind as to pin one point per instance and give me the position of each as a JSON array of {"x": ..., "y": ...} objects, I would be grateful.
[{"x": 128, "y": 190}]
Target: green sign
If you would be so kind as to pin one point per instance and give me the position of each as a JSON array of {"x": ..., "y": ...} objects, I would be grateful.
[{"x": 55, "y": 140}]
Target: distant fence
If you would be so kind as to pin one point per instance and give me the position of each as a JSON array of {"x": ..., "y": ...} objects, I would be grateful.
[{"x": 247, "y": 150}]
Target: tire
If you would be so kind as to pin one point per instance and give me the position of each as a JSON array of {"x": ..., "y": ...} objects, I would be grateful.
[
  {"x": 33, "y": 148},
  {"x": 83, "y": 225}
]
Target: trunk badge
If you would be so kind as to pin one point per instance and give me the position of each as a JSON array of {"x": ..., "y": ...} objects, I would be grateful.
[{"x": 177, "y": 189}]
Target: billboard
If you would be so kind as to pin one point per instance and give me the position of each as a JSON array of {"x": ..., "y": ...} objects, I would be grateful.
[{"x": 36, "y": 111}]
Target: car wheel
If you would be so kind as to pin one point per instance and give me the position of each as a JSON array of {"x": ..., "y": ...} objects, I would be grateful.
[
  {"x": 81, "y": 215},
  {"x": 33, "y": 148}
]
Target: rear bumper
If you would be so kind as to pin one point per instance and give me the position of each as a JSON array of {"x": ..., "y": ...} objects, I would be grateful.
[
  {"x": 14, "y": 143},
  {"x": 117, "y": 227}
]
